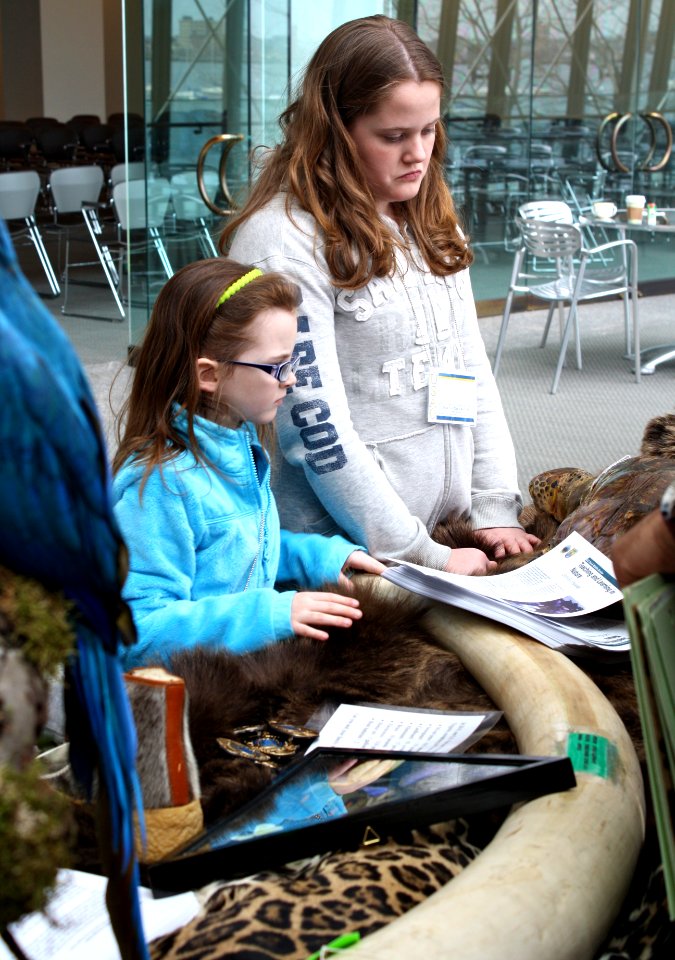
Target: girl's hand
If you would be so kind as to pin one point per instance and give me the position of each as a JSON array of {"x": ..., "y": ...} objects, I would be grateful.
[
  {"x": 359, "y": 560},
  {"x": 469, "y": 561},
  {"x": 311, "y": 611},
  {"x": 503, "y": 541}
]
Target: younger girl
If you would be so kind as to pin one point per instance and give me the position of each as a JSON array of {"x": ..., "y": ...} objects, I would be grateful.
[{"x": 192, "y": 480}]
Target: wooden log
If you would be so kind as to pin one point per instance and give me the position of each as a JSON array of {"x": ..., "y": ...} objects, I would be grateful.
[{"x": 554, "y": 877}]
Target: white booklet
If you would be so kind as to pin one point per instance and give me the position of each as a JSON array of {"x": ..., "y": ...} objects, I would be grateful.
[
  {"x": 383, "y": 727},
  {"x": 554, "y": 598}
]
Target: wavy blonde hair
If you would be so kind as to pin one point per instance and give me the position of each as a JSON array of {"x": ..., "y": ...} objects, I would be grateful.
[{"x": 318, "y": 167}]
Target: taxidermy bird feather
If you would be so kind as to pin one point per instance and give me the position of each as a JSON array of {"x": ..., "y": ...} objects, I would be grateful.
[{"x": 58, "y": 528}]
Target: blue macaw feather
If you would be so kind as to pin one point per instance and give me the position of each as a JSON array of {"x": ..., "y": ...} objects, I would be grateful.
[
  {"x": 55, "y": 468},
  {"x": 58, "y": 527}
]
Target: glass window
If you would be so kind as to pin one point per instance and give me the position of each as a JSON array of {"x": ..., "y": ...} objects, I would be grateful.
[{"x": 570, "y": 100}]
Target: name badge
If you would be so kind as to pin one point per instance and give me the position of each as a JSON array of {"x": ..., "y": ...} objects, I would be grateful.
[{"x": 452, "y": 398}]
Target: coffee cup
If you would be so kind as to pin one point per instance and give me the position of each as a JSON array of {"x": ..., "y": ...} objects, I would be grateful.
[
  {"x": 635, "y": 204},
  {"x": 604, "y": 209}
]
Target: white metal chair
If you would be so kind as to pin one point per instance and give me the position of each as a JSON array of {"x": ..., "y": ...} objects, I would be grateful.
[
  {"x": 571, "y": 283},
  {"x": 140, "y": 211},
  {"x": 141, "y": 207},
  {"x": 192, "y": 216},
  {"x": 19, "y": 191},
  {"x": 551, "y": 210},
  {"x": 135, "y": 170},
  {"x": 69, "y": 189}
]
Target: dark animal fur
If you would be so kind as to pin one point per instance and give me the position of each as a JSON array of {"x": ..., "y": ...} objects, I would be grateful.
[{"x": 386, "y": 657}]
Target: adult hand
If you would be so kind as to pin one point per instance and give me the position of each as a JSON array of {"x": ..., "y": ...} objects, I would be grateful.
[
  {"x": 469, "y": 561},
  {"x": 648, "y": 547},
  {"x": 311, "y": 611},
  {"x": 504, "y": 541},
  {"x": 361, "y": 561}
]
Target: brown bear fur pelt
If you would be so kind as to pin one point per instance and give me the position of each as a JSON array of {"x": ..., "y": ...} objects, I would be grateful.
[{"x": 385, "y": 657}]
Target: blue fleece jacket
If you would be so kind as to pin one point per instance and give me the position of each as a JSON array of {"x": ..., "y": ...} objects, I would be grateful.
[{"x": 206, "y": 549}]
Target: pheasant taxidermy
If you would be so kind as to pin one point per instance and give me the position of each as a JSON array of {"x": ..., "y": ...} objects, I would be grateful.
[{"x": 600, "y": 507}]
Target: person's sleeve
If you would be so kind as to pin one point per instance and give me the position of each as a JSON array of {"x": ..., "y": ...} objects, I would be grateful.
[
  {"x": 162, "y": 541},
  {"x": 311, "y": 560},
  {"x": 349, "y": 483},
  {"x": 495, "y": 498}
]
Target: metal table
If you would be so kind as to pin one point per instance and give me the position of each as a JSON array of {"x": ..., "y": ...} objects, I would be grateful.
[{"x": 665, "y": 223}]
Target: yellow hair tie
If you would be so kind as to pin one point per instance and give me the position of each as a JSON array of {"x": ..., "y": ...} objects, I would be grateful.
[{"x": 238, "y": 284}]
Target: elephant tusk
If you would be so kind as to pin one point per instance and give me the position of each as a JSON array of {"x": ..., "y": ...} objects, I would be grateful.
[{"x": 554, "y": 877}]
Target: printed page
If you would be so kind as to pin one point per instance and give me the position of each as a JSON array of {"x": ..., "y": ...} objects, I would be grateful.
[
  {"x": 573, "y": 578},
  {"x": 353, "y": 727}
]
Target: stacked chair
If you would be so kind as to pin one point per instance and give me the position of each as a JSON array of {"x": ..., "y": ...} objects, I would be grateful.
[{"x": 19, "y": 191}]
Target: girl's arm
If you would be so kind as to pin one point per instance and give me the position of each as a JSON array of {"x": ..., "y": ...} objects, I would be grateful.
[
  {"x": 312, "y": 561},
  {"x": 496, "y": 500},
  {"x": 173, "y": 606}
]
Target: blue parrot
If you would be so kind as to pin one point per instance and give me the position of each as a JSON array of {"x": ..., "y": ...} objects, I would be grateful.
[{"x": 57, "y": 527}]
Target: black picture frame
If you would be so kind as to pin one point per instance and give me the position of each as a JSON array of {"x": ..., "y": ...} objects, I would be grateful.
[{"x": 504, "y": 779}]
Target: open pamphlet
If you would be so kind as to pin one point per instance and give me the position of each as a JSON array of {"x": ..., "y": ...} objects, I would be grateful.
[
  {"x": 554, "y": 598},
  {"x": 650, "y": 612},
  {"x": 356, "y": 726}
]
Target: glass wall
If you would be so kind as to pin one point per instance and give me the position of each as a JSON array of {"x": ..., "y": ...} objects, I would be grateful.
[{"x": 564, "y": 99}]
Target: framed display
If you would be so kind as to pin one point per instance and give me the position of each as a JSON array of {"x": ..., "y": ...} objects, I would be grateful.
[{"x": 335, "y": 799}]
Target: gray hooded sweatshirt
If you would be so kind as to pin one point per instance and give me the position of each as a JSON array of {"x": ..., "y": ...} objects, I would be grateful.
[{"x": 359, "y": 455}]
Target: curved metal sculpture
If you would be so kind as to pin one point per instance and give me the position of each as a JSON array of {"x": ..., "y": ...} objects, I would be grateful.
[
  {"x": 652, "y": 118},
  {"x": 228, "y": 140}
]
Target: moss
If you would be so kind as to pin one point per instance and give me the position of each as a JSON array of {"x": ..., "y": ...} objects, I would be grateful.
[
  {"x": 35, "y": 832},
  {"x": 35, "y": 620}
]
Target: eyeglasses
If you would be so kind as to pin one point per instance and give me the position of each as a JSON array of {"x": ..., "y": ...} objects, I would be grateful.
[{"x": 280, "y": 371}]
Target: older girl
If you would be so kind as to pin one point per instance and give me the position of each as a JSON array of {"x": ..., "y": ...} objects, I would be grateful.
[{"x": 395, "y": 421}]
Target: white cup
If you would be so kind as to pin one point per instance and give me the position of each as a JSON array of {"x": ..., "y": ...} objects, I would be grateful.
[
  {"x": 635, "y": 204},
  {"x": 604, "y": 209}
]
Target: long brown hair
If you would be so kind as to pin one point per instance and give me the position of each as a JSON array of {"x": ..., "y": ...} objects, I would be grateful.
[
  {"x": 185, "y": 324},
  {"x": 317, "y": 165}
]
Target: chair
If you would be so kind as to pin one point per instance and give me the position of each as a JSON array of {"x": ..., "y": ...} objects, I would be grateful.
[
  {"x": 79, "y": 121},
  {"x": 128, "y": 141},
  {"x": 142, "y": 206},
  {"x": 56, "y": 145},
  {"x": 96, "y": 143},
  {"x": 126, "y": 171},
  {"x": 70, "y": 190},
  {"x": 140, "y": 211},
  {"x": 123, "y": 171},
  {"x": 572, "y": 282},
  {"x": 551, "y": 210},
  {"x": 18, "y": 195},
  {"x": 126, "y": 119},
  {"x": 15, "y": 144},
  {"x": 191, "y": 213}
]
